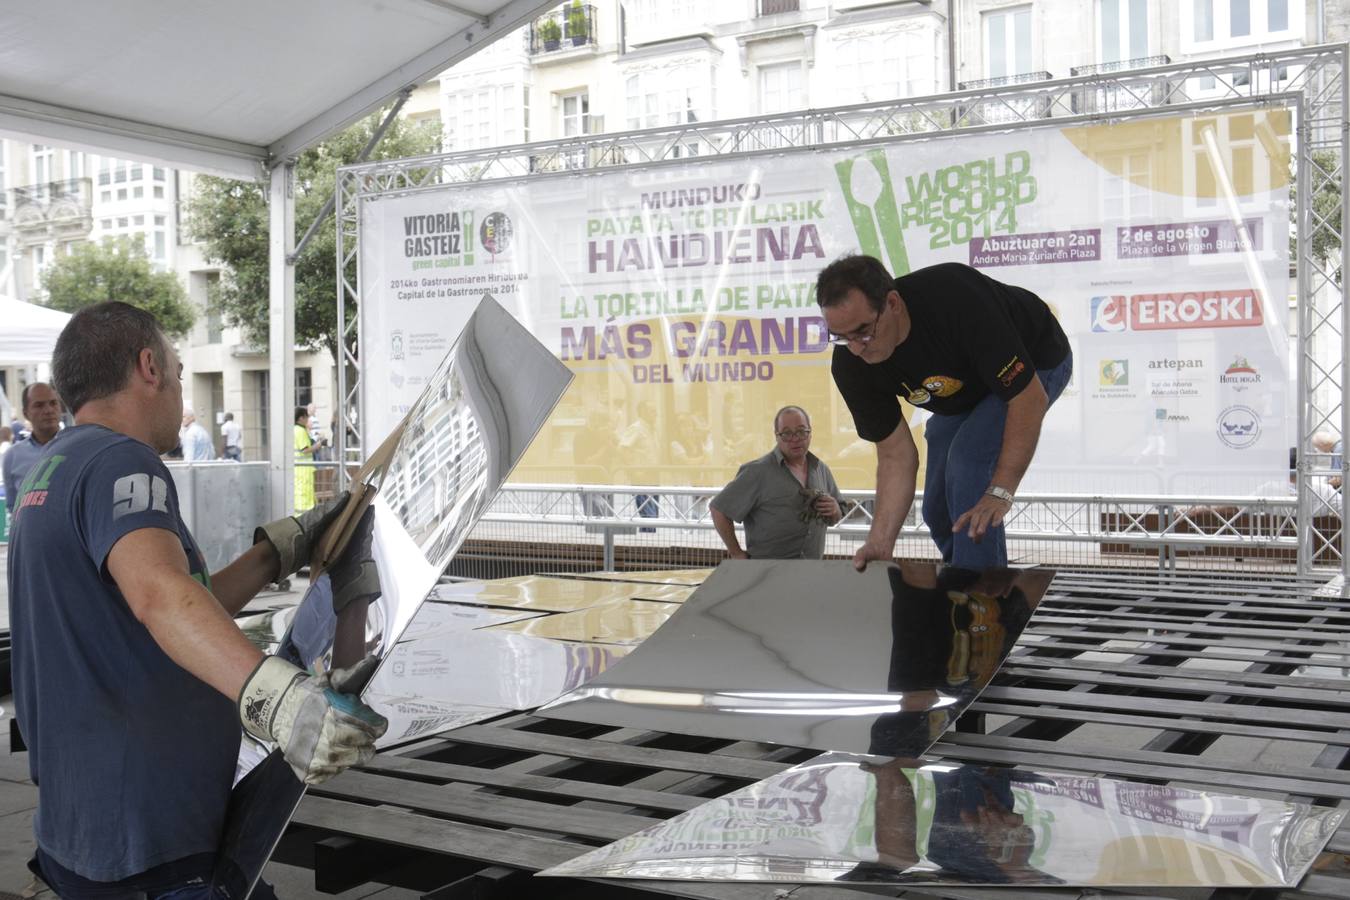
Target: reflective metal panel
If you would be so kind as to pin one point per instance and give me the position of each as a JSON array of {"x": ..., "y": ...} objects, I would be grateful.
[
  {"x": 557, "y": 594},
  {"x": 470, "y": 426},
  {"x": 665, "y": 576},
  {"x": 491, "y": 668},
  {"x": 414, "y": 718},
  {"x": 436, "y": 619},
  {"x": 815, "y": 654},
  {"x": 626, "y": 622},
  {"x": 845, "y": 818}
]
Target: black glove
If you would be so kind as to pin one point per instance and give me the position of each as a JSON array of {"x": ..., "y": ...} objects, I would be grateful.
[
  {"x": 353, "y": 575},
  {"x": 294, "y": 537}
]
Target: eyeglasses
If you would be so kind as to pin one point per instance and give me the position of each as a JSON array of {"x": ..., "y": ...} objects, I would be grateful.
[
  {"x": 793, "y": 434},
  {"x": 863, "y": 335}
]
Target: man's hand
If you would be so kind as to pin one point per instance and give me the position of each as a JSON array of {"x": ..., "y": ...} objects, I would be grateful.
[
  {"x": 294, "y": 537},
  {"x": 870, "y": 552},
  {"x": 738, "y": 553},
  {"x": 986, "y": 514},
  {"x": 827, "y": 508},
  {"x": 320, "y": 730}
]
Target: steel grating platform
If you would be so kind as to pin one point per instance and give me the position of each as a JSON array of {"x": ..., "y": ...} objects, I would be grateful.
[{"x": 1207, "y": 681}]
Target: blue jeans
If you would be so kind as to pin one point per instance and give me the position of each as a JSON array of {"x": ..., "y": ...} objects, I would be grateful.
[
  {"x": 182, "y": 879},
  {"x": 962, "y": 453}
]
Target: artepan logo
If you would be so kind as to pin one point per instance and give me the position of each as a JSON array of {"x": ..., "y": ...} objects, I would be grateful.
[
  {"x": 1166, "y": 312},
  {"x": 1108, "y": 314}
]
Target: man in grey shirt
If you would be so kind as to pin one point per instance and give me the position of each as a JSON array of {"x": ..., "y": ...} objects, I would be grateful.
[
  {"x": 42, "y": 408},
  {"x": 786, "y": 498}
]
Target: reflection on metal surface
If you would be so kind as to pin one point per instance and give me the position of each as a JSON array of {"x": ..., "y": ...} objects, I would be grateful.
[
  {"x": 666, "y": 576},
  {"x": 814, "y": 654},
  {"x": 436, "y": 619},
  {"x": 414, "y": 718},
  {"x": 625, "y": 622},
  {"x": 266, "y": 629},
  {"x": 844, "y": 818},
  {"x": 490, "y": 668},
  {"x": 472, "y": 423},
  {"x": 556, "y": 594}
]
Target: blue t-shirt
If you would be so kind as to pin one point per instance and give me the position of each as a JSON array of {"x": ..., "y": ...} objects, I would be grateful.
[{"x": 132, "y": 755}]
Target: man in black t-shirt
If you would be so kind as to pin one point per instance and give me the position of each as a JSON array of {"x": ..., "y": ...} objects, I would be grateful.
[{"x": 985, "y": 358}]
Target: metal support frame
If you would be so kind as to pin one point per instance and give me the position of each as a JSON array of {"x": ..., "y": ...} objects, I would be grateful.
[
  {"x": 1309, "y": 78},
  {"x": 281, "y": 336}
]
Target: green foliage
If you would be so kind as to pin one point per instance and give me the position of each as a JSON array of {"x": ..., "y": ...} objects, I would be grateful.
[
  {"x": 550, "y": 30},
  {"x": 118, "y": 269},
  {"x": 576, "y": 20},
  {"x": 1325, "y": 188},
  {"x": 231, "y": 218}
]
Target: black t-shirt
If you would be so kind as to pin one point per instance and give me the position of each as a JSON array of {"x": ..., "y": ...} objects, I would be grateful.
[{"x": 970, "y": 336}]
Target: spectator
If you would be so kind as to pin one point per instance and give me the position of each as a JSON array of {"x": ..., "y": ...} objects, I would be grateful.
[
  {"x": 42, "y": 409},
  {"x": 234, "y": 438},
  {"x": 195, "y": 439}
]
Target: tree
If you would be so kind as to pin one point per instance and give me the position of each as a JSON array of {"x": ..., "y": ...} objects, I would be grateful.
[
  {"x": 118, "y": 269},
  {"x": 231, "y": 218}
]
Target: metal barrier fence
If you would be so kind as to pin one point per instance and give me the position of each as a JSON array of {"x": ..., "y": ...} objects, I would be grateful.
[{"x": 534, "y": 528}]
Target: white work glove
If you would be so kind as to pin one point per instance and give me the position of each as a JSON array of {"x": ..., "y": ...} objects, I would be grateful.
[
  {"x": 320, "y": 730},
  {"x": 294, "y": 537}
]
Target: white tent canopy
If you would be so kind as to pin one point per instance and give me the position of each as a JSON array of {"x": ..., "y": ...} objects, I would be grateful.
[
  {"x": 28, "y": 333},
  {"x": 225, "y": 88}
]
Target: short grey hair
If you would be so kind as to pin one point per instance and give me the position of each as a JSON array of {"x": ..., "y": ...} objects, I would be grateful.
[{"x": 787, "y": 409}]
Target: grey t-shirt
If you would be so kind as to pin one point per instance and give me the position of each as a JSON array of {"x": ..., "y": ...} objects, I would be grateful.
[
  {"x": 133, "y": 756},
  {"x": 769, "y": 499}
]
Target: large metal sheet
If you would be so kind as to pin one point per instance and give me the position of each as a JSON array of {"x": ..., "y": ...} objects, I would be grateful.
[
  {"x": 815, "y": 654},
  {"x": 470, "y": 426},
  {"x": 846, "y": 818}
]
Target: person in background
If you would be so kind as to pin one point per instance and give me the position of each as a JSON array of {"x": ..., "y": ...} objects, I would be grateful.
[
  {"x": 786, "y": 498},
  {"x": 6, "y": 439},
  {"x": 42, "y": 409},
  {"x": 131, "y": 680},
  {"x": 195, "y": 439},
  {"x": 234, "y": 438},
  {"x": 304, "y": 457}
]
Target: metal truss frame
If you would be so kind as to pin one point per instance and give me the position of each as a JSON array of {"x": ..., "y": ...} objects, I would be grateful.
[{"x": 1312, "y": 79}]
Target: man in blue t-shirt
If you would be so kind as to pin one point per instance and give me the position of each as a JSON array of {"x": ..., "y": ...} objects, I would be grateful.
[
  {"x": 42, "y": 409},
  {"x": 131, "y": 680}
]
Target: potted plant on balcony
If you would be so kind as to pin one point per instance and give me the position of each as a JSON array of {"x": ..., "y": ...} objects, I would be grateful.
[
  {"x": 550, "y": 33},
  {"x": 577, "y": 25}
]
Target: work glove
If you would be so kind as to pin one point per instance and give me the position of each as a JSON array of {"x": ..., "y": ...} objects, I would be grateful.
[
  {"x": 294, "y": 537},
  {"x": 354, "y": 576},
  {"x": 320, "y": 729}
]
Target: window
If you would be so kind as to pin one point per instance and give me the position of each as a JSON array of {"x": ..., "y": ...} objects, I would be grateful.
[
  {"x": 576, "y": 114},
  {"x": 1007, "y": 42},
  {"x": 159, "y": 173},
  {"x": 1240, "y": 17},
  {"x": 159, "y": 192},
  {"x": 137, "y": 192},
  {"x": 215, "y": 326},
  {"x": 1124, "y": 30},
  {"x": 40, "y": 159},
  {"x": 3, "y": 193},
  {"x": 484, "y": 116},
  {"x": 1124, "y": 198},
  {"x": 121, "y": 193},
  {"x": 75, "y": 162},
  {"x": 1204, "y": 20},
  {"x": 105, "y": 197},
  {"x": 668, "y": 96},
  {"x": 1277, "y": 15},
  {"x": 39, "y": 259},
  {"x": 884, "y": 66},
  {"x": 261, "y": 396},
  {"x": 304, "y": 389},
  {"x": 781, "y": 88}
]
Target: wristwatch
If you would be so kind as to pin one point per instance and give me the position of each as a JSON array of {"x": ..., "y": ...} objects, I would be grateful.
[{"x": 1001, "y": 493}]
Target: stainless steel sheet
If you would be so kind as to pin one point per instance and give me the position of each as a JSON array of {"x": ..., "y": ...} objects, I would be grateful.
[
  {"x": 471, "y": 424},
  {"x": 625, "y": 622},
  {"x": 556, "y": 594},
  {"x": 815, "y": 654},
  {"x": 847, "y": 818}
]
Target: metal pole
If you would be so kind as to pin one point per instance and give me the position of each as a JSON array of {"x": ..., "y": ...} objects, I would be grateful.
[
  {"x": 1343, "y": 152},
  {"x": 609, "y": 549},
  {"x": 1303, "y": 337},
  {"x": 281, "y": 336},
  {"x": 340, "y": 439}
]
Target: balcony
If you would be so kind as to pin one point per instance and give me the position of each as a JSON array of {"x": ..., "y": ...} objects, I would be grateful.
[
  {"x": 1121, "y": 65},
  {"x": 567, "y": 28},
  {"x": 53, "y": 209},
  {"x": 1004, "y": 81},
  {"x": 775, "y": 7}
]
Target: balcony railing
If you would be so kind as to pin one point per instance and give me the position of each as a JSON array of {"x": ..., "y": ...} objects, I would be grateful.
[
  {"x": 77, "y": 190},
  {"x": 774, "y": 7},
  {"x": 1004, "y": 81},
  {"x": 1121, "y": 65},
  {"x": 562, "y": 29}
]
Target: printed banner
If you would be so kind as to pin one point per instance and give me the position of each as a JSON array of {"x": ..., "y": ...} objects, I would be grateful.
[{"x": 683, "y": 296}]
